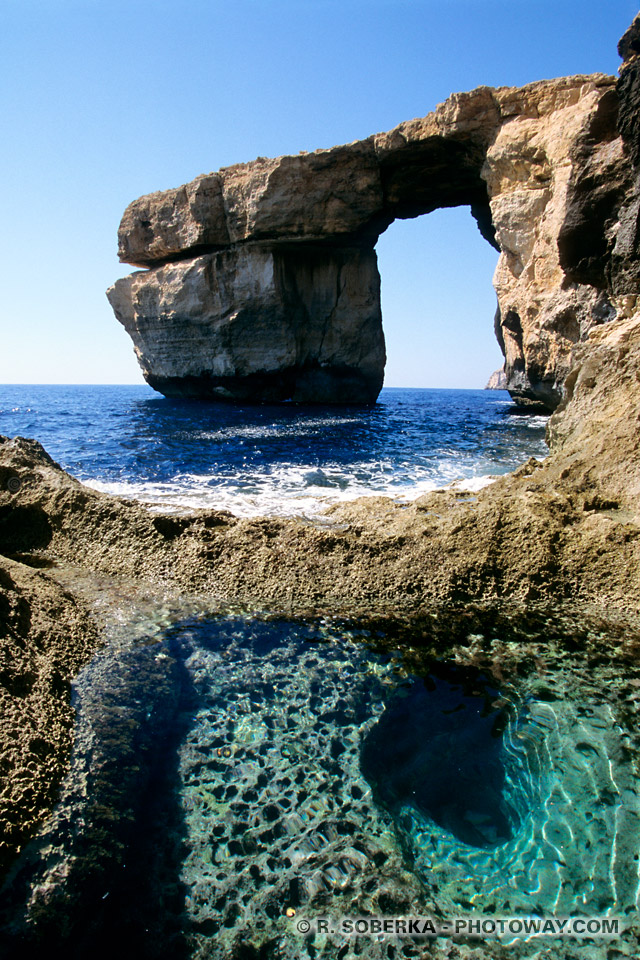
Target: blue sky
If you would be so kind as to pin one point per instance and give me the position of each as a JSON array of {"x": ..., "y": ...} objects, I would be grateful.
[{"x": 104, "y": 100}]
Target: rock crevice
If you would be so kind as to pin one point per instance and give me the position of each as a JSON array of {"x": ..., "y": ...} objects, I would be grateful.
[{"x": 549, "y": 554}]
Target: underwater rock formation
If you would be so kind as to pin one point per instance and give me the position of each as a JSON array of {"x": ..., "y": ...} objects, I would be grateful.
[
  {"x": 552, "y": 550},
  {"x": 261, "y": 280},
  {"x": 404, "y": 766}
]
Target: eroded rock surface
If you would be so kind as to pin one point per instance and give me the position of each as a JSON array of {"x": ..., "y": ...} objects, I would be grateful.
[
  {"x": 261, "y": 280},
  {"x": 45, "y": 637},
  {"x": 552, "y": 550},
  {"x": 253, "y": 323}
]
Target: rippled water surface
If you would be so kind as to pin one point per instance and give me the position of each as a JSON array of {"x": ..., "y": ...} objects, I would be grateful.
[
  {"x": 241, "y": 774},
  {"x": 271, "y": 460},
  {"x": 232, "y": 776}
]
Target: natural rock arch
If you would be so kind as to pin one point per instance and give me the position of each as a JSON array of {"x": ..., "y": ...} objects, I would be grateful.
[
  {"x": 261, "y": 280},
  {"x": 438, "y": 301}
]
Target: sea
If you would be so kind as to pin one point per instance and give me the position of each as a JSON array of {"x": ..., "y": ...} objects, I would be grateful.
[
  {"x": 241, "y": 783},
  {"x": 287, "y": 460}
]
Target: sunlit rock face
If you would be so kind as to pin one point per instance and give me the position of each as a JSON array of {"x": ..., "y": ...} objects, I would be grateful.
[
  {"x": 254, "y": 323},
  {"x": 532, "y": 168},
  {"x": 261, "y": 281}
]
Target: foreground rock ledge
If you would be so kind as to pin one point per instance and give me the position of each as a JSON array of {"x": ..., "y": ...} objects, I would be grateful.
[
  {"x": 545, "y": 551},
  {"x": 261, "y": 280},
  {"x": 554, "y": 547}
]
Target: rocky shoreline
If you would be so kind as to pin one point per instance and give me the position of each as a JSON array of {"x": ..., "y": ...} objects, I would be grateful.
[{"x": 552, "y": 548}]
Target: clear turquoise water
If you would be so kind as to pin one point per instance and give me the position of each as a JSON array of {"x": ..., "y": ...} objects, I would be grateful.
[
  {"x": 230, "y": 770},
  {"x": 240, "y": 768}
]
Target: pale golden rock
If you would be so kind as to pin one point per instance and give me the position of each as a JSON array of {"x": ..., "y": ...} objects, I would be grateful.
[
  {"x": 542, "y": 167},
  {"x": 326, "y": 194},
  {"x": 160, "y": 225},
  {"x": 249, "y": 323},
  {"x": 529, "y": 169}
]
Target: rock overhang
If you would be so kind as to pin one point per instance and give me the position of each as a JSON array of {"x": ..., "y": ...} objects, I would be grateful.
[{"x": 528, "y": 161}]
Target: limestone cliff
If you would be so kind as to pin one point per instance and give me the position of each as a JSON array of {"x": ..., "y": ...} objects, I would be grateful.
[
  {"x": 253, "y": 322},
  {"x": 497, "y": 380},
  {"x": 549, "y": 552},
  {"x": 261, "y": 280}
]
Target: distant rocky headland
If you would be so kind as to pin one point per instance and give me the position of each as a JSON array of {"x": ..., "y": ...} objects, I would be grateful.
[
  {"x": 260, "y": 282},
  {"x": 497, "y": 381}
]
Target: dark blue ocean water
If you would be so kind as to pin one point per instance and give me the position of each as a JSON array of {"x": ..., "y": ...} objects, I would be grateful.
[
  {"x": 246, "y": 766},
  {"x": 286, "y": 459}
]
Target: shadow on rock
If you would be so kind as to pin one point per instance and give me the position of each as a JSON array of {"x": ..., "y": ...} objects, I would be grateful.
[
  {"x": 105, "y": 870},
  {"x": 23, "y": 528}
]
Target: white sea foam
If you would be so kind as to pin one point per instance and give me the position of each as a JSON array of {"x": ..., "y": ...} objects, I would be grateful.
[
  {"x": 283, "y": 462},
  {"x": 303, "y": 491},
  {"x": 474, "y": 484},
  {"x": 297, "y": 428},
  {"x": 530, "y": 421}
]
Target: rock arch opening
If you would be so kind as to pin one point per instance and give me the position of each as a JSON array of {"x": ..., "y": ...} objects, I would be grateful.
[
  {"x": 260, "y": 281},
  {"x": 438, "y": 301}
]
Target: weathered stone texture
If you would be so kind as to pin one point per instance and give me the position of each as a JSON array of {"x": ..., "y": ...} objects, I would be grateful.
[
  {"x": 529, "y": 170},
  {"x": 543, "y": 168},
  {"x": 253, "y": 322}
]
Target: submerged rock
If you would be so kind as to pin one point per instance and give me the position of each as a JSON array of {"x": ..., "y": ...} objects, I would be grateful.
[{"x": 437, "y": 748}]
